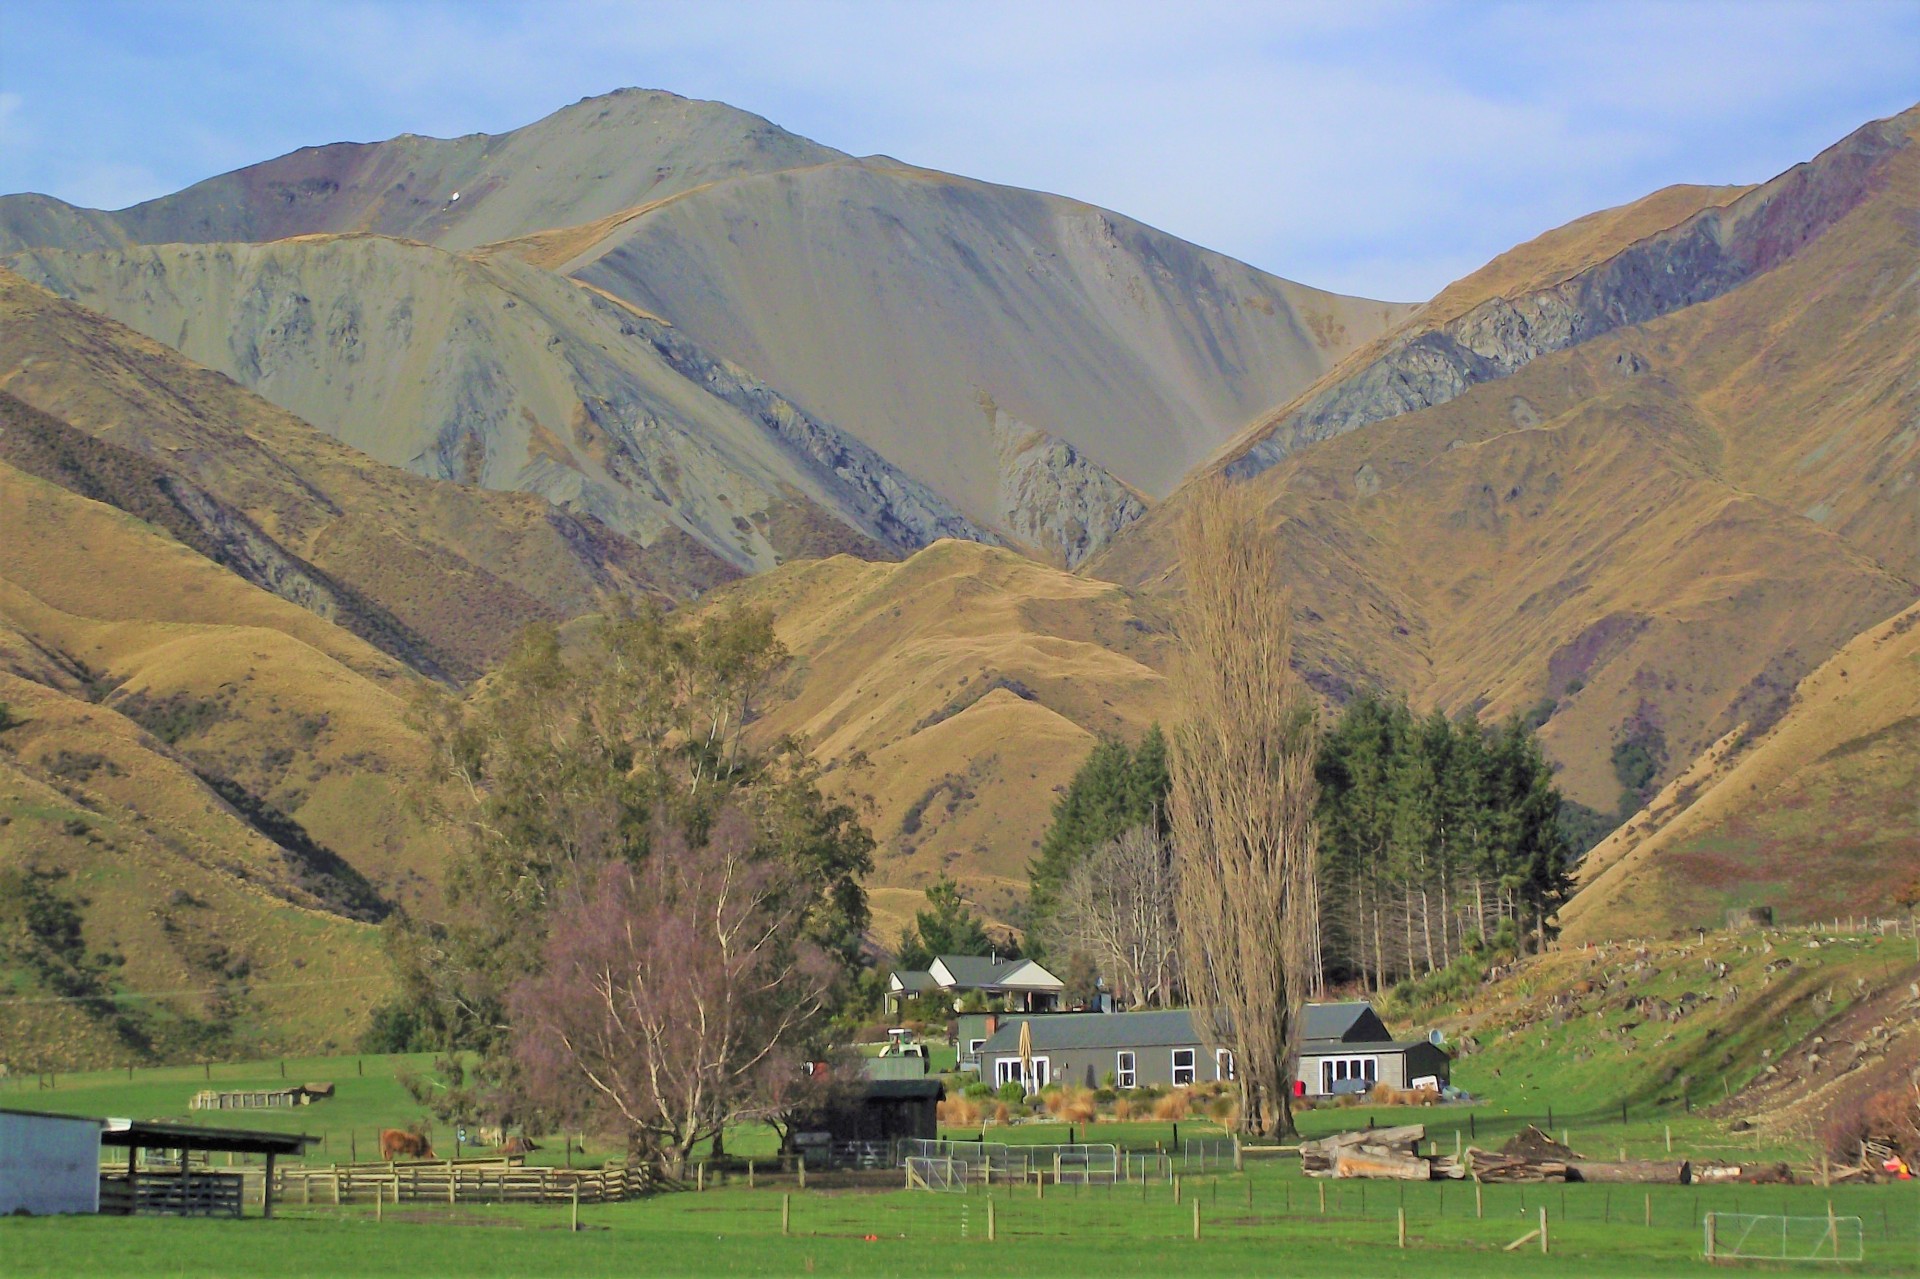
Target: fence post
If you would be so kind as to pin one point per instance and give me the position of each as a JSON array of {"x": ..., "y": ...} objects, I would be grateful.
[
  {"x": 1649, "y": 1208},
  {"x": 1833, "y": 1225},
  {"x": 1709, "y": 1237},
  {"x": 573, "y": 1222},
  {"x": 1478, "y": 1210},
  {"x": 1323, "y": 1199},
  {"x": 1543, "y": 1232},
  {"x": 990, "y": 1225},
  {"x": 1403, "y": 1227},
  {"x": 803, "y": 1172},
  {"x": 1239, "y": 1162},
  {"x": 786, "y": 1214},
  {"x": 1196, "y": 1221},
  {"x": 1176, "y": 1187},
  {"x": 749, "y": 1174}
]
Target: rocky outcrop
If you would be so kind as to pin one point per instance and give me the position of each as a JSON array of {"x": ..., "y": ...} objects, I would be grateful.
[
  {"x": 1702, "y": 258},
  {"x": 1054, "y": 499},
  {"x": 896, "y": 508}
]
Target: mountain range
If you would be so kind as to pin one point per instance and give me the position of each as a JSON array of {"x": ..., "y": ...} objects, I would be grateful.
[{"x": 280, "y": 448}]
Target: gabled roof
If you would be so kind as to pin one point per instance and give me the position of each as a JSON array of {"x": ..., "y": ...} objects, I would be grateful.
[
  {"x": 913, "y": 982},
  {"x": 1061, "y": 1032},
  {"x": 982, "y": 972},
  {"x": 1349, "y": 1023}
]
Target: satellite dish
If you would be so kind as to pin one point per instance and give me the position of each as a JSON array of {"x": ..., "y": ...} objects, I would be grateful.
[{"x": 1437, "y": 1038}]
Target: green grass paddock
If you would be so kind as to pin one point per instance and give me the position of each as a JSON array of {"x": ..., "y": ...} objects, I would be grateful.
[{"x": 1118, "y": 1230}]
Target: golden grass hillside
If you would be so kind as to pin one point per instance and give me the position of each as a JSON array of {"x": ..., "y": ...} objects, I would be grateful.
[
  {"x": 99, "y": 612},
  {"x": 953, "y": 696},
  {"x": 1835, "y": 785},
  {"x": 227, "y": 679}
]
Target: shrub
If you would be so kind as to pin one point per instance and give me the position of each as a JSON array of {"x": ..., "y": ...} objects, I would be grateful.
[
  {"x": 976, "y": 1090},
  {"x": 1080, "y": 1110},
  {"x": 959, "y": 1112},
  {"x": 1173, "y": 1106},
  {"x": 1122, "y": 1108},
  {"x": 1105, "y": 1096},
  {"x": 1012, "y": 1092},
  {"x": 1001, "y": 1115}
]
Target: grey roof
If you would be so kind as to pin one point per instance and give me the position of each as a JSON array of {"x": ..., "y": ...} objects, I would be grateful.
[
  {"x": 979, "y": 970},
  {"x": 1059, "y": 1032},
  {"x": 1333, "y": 1021},
  {"x": 915, "y": 982}
]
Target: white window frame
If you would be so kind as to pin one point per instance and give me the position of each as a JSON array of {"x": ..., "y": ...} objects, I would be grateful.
[
  {"x": 1223, "y": 1065},
  {"x": 1190, "y": 1068},
  {"x": 1007, "y": 1070},
  {"x": 1126, "y": 1071},
  {"x": 1340, "y": 1069},
  {"x": 974, "y": 1046}
]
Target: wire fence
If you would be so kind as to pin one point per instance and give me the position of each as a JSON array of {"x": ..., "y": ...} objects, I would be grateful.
[{"x": 1761, "y": 1237}]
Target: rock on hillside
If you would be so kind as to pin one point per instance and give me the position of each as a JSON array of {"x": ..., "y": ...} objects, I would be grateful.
[
  {"x": 1439, "y": 356},
  {"x": 594, "y": 158},
  {"x": 890, "y": 300},
  {"x": 498, "y": 374}
]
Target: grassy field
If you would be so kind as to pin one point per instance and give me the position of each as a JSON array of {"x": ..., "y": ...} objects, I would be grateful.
[{"x": 1267, "y": 1219}]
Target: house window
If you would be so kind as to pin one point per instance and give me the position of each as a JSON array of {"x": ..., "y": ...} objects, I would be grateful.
[
  {"x": 1123, "y": 1069},
  {"x": 1182, "y": 1066},
  {"x": 1335, "y": 1070},
  {"x": 1006, "y": 1070},
  {"x": 974, "y": 1046},
  {"x": 1223, "y": 1063}
]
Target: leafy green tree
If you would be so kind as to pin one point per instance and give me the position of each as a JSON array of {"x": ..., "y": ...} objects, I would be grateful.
[
  {"x": 947, "y": 927},
  {"x": 576, "y": 755}
]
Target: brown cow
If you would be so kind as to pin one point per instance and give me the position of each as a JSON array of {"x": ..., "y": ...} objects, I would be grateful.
[
  {"x": 518, "y": 1145},
  {"x": 397, "y": 1143}
]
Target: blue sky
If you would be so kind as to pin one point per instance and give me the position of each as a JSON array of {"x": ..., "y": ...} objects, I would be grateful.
[{"x": 1380, "y": 149}]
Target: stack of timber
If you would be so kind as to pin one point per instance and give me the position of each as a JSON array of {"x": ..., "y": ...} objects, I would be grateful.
[{"x": 1388, "y": 1153}]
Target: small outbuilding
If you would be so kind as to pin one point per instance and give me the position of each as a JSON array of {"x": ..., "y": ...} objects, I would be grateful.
[
  {"x": 53, "y": 1164},
  {"x": 1348, "y": 1049},
  {"x": 48, "y": 1164}
]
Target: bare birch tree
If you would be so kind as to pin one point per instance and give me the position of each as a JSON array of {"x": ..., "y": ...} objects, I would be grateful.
[
  {"x": 1118, "y": 908},
  {"x": 1242, "y": 804}
]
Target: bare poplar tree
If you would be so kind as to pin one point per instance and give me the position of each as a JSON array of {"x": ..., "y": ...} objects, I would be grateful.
[{"x": 1242, "y": 804}]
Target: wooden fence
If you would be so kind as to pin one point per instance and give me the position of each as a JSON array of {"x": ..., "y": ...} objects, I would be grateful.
[
  {"x": 257, "y": 1099},
  {"x": 192, "y": 1194},
  {"x": 486, "y": 1181}
]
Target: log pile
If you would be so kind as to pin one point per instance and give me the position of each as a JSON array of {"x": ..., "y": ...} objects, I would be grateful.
[
  {"x": 1532, "y": 1156},
  {"x": 1383, "y": 1153},
  {"x": 1495, "y": 1167}
]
